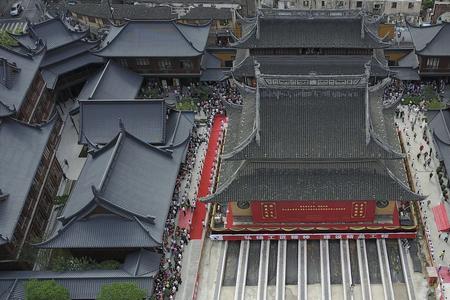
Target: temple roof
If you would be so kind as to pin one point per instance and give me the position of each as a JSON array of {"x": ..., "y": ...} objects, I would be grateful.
[
  {"x": 155, "y": 39},
  {"x": 287, "y": 181},
  {"x": 309, "y": 64},
  {"x": 144, "y": 12},
  {"x": 100, "y": 120},
  {"x": 112, "y": 82},
  {"x": 296, "y": 123},
  {"x": 311, "y": 138},
  {"x": 22, "y": 147},
  {"x": 309, "y": 29},
  {"x": 102, "y": 231},
  {"x": 132, "y": 182},
  {"x": 17, "y": 72},
  {"x": 56, "y": 33},
  {"x": 140, "y": 267},
  {"x": 440, "y": 126},
  {"x": 431, "y": 40},
  {"x": 52, "y": 72}
]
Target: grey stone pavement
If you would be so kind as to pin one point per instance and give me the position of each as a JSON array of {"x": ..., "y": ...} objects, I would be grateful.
[
  {"x": 426, "y": 186},
  {"x": 68, "y": 149},
  {"x": 192, "y": 252}
]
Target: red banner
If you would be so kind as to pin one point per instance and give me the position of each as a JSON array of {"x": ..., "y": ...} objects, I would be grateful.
[{"x": 313, "y": 236}]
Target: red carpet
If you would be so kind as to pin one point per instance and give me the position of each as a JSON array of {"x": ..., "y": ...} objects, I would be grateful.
[
  {"x": 200, "y": 210},
  {"x": 444, "y": 273}
]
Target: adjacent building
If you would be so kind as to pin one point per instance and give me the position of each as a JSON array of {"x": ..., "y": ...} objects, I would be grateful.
[
  {"x": 162, "y": 49},
  {"x": 122, "y": 197},
  {"x": 29, "y": 179},
  {"x": 432, "y": 47}
]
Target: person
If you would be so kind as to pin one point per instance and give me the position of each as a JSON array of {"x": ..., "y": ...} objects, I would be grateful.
[{"x": 441, "y": 256}]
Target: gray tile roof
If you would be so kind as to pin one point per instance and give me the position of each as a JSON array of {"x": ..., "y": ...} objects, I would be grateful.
[
  {"x": 51, "y": 73},
  {"x": 306, "y": 64},
  {"x": 20, "y": 155},
  {"x": 144, "y": 12},
  {"x": 112, "y": 82},
  {"x": 440, "y": 126},
  {"x": 101, "y": 231},
  {"x": 140, "y": 268},
  {"x": 142, "y": 262},
  {"x": 100, "y": 120},
  {"x": 127, "y": 178},
  {"x": 60, "y": 54},
  {"x": 410, "y": 61},
  {"x": 55, "y": 33},
  {"x": 13, "y": 96},
  {"x": 155, "y": 39},
  {"x": 276, "y": 181},
  {"x": 293, "y": 32},
  {"x": 405, "y": 73},
  {"x": 297, "y": 124},
  {"x": 431, "y": 40}
]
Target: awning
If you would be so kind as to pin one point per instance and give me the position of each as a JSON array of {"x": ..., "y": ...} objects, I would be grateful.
[
  {"x": 405, "y": 73},
  {"x": 441, "y": 217}
]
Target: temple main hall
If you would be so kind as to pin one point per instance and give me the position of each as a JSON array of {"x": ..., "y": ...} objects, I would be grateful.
[{"x": 313, "y": 149}]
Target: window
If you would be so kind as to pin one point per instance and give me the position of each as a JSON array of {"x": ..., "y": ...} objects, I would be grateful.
[
  {"x": 186, "y": 64},
  {"x": 432, "y": 63},
  {"x": 142, "y": 61},
  {"x": 377, "y": 6},
  {"x": 165, "y": 64},
  {"x": 306, "y": 3},
  {"x": 358, "y": 3},
  {"x": 323, "y": 3},
  {"x": 411, "y": 5},
  {"x": 340, "y": 4},
  {"x": 394, "y": 5}
]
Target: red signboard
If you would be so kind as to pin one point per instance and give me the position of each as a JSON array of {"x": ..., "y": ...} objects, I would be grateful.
[
  {"x": 313, "y": 236},
  {"x": 313, "y": 211}
]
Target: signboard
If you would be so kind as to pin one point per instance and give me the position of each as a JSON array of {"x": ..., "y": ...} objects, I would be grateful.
[{"x": 313, "y": 236}]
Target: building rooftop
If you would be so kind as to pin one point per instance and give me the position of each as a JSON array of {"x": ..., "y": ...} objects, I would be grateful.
[
  {"x": 144, "y": 12},
  {"x": 305, "y": 137},
  {"x": 140, "y": 267},
  {"x": 20, "y": 155},
  {"x": 132, "y": 182},
  {"x": 55, "y": 33},
  {"x": 431, "y": 40},
  {"x": 112, "y": 82},
  {"x": 17, "y": 73},
  {"x": 274, "y": 28},
  {"x": 100, "y": 120},
  {"x": 155, "y": 39},
  {"x": 288, "y": 181},
  {"x": 310, "y": 64}
]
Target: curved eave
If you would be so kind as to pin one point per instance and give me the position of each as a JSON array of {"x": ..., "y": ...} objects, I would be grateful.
[
  {"x": 241, "y": 42},
  {"x": 388, "y": 149},
  {"x": 224, "y": 185},
  {"x": 412, "y": 196}
]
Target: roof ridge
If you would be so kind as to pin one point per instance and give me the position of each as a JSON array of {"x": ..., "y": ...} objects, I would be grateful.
[
  {"x": 99, "y": 79},
  {"x": 111, "y": 160},
  {"x": 400, "y": 183}
]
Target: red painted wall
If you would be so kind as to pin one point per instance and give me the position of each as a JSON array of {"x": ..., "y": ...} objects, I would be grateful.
[{"x": 313, "y": 211}]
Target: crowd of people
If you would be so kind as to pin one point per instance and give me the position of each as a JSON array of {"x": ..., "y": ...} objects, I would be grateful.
[
  {"x": 398, "y": 89},
  {"x": 175, "y": 238}
]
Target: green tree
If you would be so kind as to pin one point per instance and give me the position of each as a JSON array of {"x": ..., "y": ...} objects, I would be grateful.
[
  {"x": 44, "y": 290},
  {"x": 121, "y": 291}
]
